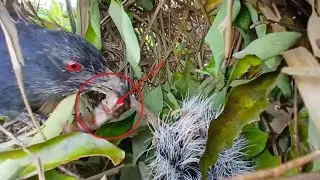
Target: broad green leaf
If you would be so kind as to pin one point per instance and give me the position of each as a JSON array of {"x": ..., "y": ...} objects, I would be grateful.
[
  {"x": 186, "y": 82},
  {"x": 144, "y": 170},
  {"x": 145, "y": 4},
  {"x": 266, "y": 160},
  {"x": 218, "y": 99},
  {"x": 10, "y": 169},
  {"x": 270, "y": 45},
  {"x": 55, "y": 10},
  {"x": 54, "y": 175},
  {"x": 256, "y": 138},
  {"x": 271, "y": 64},
  {"x": 154, "y": 100},
  {"x": 129, "y": 173},
  {"x": 243, "y": 65},
  {"x": 93, "y": 34},
  {"x": 243, "y": 19},
  {"x": 212, "y": 84},
  {"x": 215, "y": 38},
  {"x": 245, "y": 36},
  {"x": 116, "y": 128},
  {"x": 283, "y": 82},
  {"x": 124, "y": 26},
  {"x": 140, "y": 143},
  {"x": 172, "y": 101},
  {"x": 243, "y": 105},
  {"x": 210, "y": 68},
  {"x": 261, "y": 29},
  {"x": 63, "y": 149},
  {"x": 57, "y": 120}
]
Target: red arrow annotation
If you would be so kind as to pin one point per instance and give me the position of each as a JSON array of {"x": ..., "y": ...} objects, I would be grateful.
[{"x": 121, "y": 99}]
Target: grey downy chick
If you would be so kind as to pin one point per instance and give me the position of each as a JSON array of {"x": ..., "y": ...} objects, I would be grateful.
[{"x": 179, "y": 145}]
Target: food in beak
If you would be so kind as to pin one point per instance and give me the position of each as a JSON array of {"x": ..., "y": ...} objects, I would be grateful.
[{"x": 107, "y": 111}]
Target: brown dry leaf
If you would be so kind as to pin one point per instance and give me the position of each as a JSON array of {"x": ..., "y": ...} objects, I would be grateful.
[
  {"x": 308, "y": 86},
  {"x": 313, "y": 31},
  {"x": 281, "y": 118},
  {"x": 269, "y": 14},
  {"x": 298, "y": 71}
]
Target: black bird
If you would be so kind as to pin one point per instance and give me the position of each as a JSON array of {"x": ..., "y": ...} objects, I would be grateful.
[{"x": 56, "y": 64}]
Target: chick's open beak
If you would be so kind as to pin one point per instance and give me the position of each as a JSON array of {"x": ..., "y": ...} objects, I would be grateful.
[{"x": 107, "y": 111}]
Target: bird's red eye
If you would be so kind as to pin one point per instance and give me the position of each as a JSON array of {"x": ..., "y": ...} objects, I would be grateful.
[{"x": 73, "y": 66}]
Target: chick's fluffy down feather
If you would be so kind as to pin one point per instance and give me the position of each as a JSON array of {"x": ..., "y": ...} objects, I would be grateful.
[{"x": 179, "y": 146}]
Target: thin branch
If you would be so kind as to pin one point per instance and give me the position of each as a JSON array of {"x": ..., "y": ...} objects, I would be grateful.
[
  {"x": 106, "y": 173},
  {"x": 70, "y": 14},
  {"x": 279, "y": 170},
  {"x": 154, "y": 16}
]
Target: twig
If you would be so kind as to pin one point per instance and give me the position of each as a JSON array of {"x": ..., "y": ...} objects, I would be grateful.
[
  {"x": 34, "y": 12},
  {"x": 154, "y": 16},
  {"x": 106, "y": 173},
  {"x": 204, "y": 12},
  {"x": 15, "y": 52},
  {"x": 68, "y": 172},
  {"x": 279, "y": 170},
  {"x": 177, "y": 36},
  {"x": 71, "y": 19}
]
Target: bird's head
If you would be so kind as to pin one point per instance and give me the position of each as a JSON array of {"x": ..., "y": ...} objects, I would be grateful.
[{"x": 57, "y": 63}]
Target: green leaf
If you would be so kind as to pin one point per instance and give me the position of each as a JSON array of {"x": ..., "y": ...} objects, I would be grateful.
[
  {"x": 145, "y": 4},
  {"x": 171, "y": 101},
  {"x": 215, "y": 38},
  {"x": 256, "y": 138},
  {"x": 144, "y": 170},
  {"x": 53, "y": 175},
  {"x": 55, "y": 10},
  {"x": 271, "y": 64},
  {"x": 218, "y": 99},
  {"x": 245, "y": 36},
  {"x": 10, "y": 169},
  {"x": 128, "y": 173},
  {"x": 116, "y": 128},
  {"x": 261, "y": 29},
  {"x": 124, "y": 26},
  {"x": 269, "y": 45},
  {"x": 140, "y": 143},
  {"x": 243, "y": 19},
  {"x": 283, "y": 82},
  {"x": 243, "y": 65},
  {"x": 57, "y": 120},
  {"x": 93, "y": 34},
  {"x": 153, "y": 100},
  {"x": 63, "y": 149},
  {"x": 266, "y": 160},
  {"x": 186, "y": 82},
  {"x": 244, "y": 103}
]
